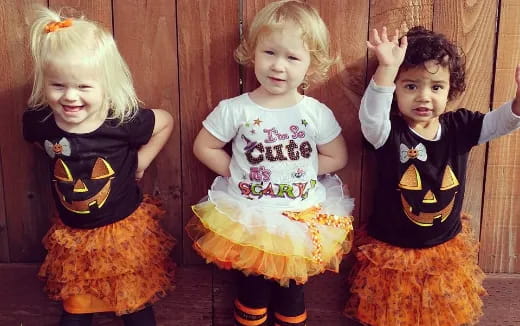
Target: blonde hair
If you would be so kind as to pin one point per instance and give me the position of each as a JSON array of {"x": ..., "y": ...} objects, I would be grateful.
[
  {"x": 314, "y": 34},
  {"x": 98, "y": 48}
]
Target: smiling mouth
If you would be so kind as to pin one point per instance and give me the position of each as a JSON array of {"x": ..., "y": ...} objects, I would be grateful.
[
  {"x": 68, "y": 108},
  {"x": 277, "y": 79}
]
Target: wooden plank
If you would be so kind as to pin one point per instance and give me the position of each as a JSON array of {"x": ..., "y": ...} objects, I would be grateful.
[
  {"x": 22, "y": 219},
  {"x": 149, "y": 46},
  {"x": 4, "y": 243},
  {"x": 500, "y": 235},
  {"x": 343, "y": 90},
  {"x": 207, "y": 74},
  {"x": 24, "y": 303},
  {"x": 96, "y": 10},
  {"x": 471, "y": 25},
  {"x": 394, "y": 14}
]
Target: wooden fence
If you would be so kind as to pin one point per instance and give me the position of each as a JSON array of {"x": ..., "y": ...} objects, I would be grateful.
[{"x": 180, "y": 53}]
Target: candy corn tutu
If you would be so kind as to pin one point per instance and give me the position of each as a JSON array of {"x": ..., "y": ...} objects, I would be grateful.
[
  {"x": 120, "y": 267},
  {"x": 236, "y": 233},
  {"x": 437, "y": 286}
]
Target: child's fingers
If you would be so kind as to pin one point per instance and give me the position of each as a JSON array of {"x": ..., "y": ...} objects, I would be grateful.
[
  {"x": 395, "y": 38},
  {"x": 375, "y": 37},
  {"x": 384, "y": 35},
  {"x": 370, "y": 46},
  {"x": 404, "y": 43}
]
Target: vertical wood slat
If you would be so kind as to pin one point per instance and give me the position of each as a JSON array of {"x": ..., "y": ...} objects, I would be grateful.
[
  {"x": 471, "y": 25},
  {"x": 500, "y": 235},
  {"x": 25, "y": 223},
  {"x": 343, "y": 90},
  {"x": 4, "y": 243},
  {"x": 394, "y": 14},
  {"x": 207, "y": 74},
  {"x": 95, "y": 10},
  {"x": 149, "y": 45}
]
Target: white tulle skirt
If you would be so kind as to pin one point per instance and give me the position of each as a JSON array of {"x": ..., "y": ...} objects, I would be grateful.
[{"x": 236, "y": 233}]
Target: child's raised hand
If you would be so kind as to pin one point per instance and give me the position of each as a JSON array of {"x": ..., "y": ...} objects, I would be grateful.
[{"x": 388, "y": 51}]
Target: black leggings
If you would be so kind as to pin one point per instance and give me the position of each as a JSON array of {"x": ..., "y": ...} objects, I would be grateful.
[
  {"x": 257, "y": 292},
  {"x": 143, "y": 317}
]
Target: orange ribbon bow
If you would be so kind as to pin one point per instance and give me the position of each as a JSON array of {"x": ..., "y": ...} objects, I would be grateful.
[{"x": 54, "y": 26}]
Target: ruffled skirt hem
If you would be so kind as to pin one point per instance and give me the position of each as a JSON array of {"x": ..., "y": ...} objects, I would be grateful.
[
  {"x": 120, "y": 267},
  {"x": 437, "y": 286}
]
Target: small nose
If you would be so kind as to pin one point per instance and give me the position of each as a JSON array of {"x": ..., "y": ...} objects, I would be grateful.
[
  {"x": 277, "y": 64},
  {"x": 70, "y": 94},
  {"x": 424, "y": 95}
]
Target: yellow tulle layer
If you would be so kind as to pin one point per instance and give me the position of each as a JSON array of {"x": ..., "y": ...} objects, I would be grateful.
[
  {"x": 231, "y": 245},
  {"x": 124, "y": 266},
  {"x": 438, "y": 286}
]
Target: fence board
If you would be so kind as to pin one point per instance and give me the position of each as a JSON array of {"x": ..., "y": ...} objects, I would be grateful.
[
  {"x": 471, "y": 25},
  {"x": 149, "y": 45},
  {"x": 23, "y": 208},
  {"x": 342, "y": 92},
  {"x": 207, "y": 74},
  {"x": 500, "y": 235},
  {"x": 96, "y": 10}
]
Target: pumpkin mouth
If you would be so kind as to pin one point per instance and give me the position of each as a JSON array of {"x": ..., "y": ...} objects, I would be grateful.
[
  {"x": 83, "y": 206},
  {"x": 427, "y": 218}
]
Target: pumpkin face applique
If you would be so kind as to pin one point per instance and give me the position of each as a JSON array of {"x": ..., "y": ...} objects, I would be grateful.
[
  {"x": 424, "y": 205},
  {"x": 80, "y": 195}
]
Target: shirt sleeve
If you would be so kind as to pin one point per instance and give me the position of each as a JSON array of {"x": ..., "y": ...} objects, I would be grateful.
[
  {"x": 140, "y": 128},
  {"x": 221, "y": 122},
  {"x": 498, "y": 123},
  {"x": 374, "y": 113},
  {"x": 33, "y": 124},
  {"x": 328, "y": 126}
]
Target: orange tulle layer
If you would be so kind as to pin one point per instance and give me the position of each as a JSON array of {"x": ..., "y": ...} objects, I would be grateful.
[
  {"x": 230, "y": 245},
  {"x": 437, "y": 286},
  {"x": 120, "y": 267}
]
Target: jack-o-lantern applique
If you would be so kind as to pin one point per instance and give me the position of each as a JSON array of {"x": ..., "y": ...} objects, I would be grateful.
[
  {"x": 79, "y": 200},
  {"x": 62, "y": 147},
  {"x": 411, "y": 181},
  {"x": 417, "y": 152}
]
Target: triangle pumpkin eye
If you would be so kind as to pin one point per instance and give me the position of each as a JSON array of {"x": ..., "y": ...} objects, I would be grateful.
[
  {"x": 449, "y": 180},
  {"x": 61, "y": 171},
  {"x": 101, "y": 170},
  {"x": 411, "y": 179}
]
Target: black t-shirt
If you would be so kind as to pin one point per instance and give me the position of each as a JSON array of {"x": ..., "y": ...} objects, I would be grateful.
[
  {"x": 421, "y": 183},
  {"x": 92, "y": 174}
]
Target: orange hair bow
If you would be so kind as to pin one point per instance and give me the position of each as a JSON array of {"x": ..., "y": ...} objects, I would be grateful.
[{"x": 54, "y": 26}]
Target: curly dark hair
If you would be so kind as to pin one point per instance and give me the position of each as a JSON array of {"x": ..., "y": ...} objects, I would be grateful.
[{"x": 425, "y": 45}]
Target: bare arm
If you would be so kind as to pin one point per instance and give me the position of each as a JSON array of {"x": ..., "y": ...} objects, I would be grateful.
[
  {"x": 503, "y": 120},
  {"x": 210, "y": 151},
  {"x": 332, "y": 156},
  {"x": 161, "y": 132}
]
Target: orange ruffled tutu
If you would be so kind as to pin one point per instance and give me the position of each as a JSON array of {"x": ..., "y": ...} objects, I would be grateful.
[
  {"x": 120, "y": 267},
  {"x": 281, "y": 246},
  {"x": 437, "y": 286}
]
